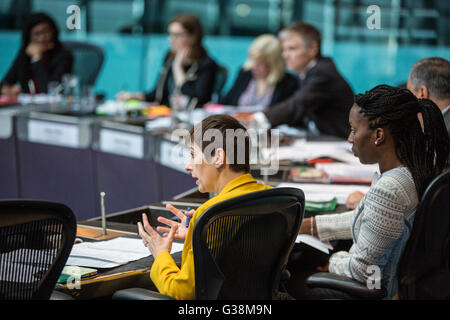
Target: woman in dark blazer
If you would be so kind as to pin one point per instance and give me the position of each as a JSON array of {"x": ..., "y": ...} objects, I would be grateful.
[
  {"x": 262, "y": 80},
  {"x": 41, "y": 58},
  {"x": 188, "y": 73}
]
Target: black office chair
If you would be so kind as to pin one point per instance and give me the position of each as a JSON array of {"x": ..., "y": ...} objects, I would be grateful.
[
  {"x": 36, "y": 238},
  {"x": 241, "y": 246},
  {"x": 425, "y": 262},
  {"x": 424, "y": 271},
  {"x": 88, "y": 61},
  {"x": 219, "y": 83}
]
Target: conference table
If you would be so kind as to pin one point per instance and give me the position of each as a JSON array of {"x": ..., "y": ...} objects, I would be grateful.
[
  {"x": 135, "y": 274},
  {"x": 51, "y": 153}
]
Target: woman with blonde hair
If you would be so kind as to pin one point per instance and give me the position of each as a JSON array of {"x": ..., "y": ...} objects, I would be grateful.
[{"x": 262, "y": 80}]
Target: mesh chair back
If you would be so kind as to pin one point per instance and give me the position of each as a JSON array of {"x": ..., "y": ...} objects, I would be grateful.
[
  {"x": 241, "y": 245},
  {"x": 36, "y": 238},
  {"x": 88, "y": 60},
  {"x": 424, "y": 270}
]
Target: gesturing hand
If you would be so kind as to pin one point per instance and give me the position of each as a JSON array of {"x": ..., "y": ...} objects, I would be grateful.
[
  {"x": 181, "y": 230},
  {"x": 152, "y": 240}
]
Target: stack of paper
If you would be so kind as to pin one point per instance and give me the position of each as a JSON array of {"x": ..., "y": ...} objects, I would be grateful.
[
  {"x": 326, "y": 192},
  {"x": 302, "y": 150},
  {"x": 343, "y": 172},
  {"x": 110, "y": 253}
]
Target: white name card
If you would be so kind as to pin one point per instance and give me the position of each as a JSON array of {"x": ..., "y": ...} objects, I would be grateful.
[
  {"x": 174, "y": 155},
  {"x": 60, "y": 134},
  {"x": 122, "y": 143}
]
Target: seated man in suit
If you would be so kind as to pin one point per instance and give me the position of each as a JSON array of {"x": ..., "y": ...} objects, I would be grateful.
[
  {"x": 324, "y": 98},
  {"x": 430, "y": 79},
  {"x": 215, "y": 172}
]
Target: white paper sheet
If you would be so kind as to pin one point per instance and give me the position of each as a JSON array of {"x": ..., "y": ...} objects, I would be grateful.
[
  {"x": 314, "y": 242},
  {"x": 302, "y": 150},
  {"x": 110, "y": 253},
  {"x": 348, "y": 170},
  {"x": 325, "y": 192}
]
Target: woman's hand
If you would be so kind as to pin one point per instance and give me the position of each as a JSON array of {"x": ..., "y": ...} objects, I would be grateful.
[
  {"x": 354, "y": 199},
  {"x": 11, "y": 91},
  {"x": 181, "y": 226},
  {"x": 152, "y": 240},
  {"x": 36, "y": 50},
  {"x": 180, "y": 59}
]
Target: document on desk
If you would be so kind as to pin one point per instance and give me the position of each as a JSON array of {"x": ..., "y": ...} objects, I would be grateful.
[
  {"x": 325, "y": 192},
  {"x": 314, "y": 242},
  {"x": 110, "y": 253},
  {"x": 302, "y": 150}
]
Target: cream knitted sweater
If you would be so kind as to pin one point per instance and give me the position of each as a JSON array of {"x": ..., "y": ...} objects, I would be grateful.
[{"x": 379, "y": 227}]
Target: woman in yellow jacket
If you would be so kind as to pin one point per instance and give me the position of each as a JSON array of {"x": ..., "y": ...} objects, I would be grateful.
[{"x": 214, "y": 173}]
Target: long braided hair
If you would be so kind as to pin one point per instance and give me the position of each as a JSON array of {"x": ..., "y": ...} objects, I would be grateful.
[{"x": 425, "y": 152}]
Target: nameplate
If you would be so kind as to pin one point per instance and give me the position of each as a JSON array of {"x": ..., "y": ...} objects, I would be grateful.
[
  {"x": 174, "y": 155},
  {"x": 122, "y": 143},
  {"x": 60, "y": 134}
]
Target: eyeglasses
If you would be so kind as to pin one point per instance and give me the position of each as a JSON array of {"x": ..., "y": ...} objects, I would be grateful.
[
  {"x": 42, "y": 34},
  {"x": 177, "y": 35}
]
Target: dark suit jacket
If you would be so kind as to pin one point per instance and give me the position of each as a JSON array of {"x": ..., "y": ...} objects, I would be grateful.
[
  {"x": 447, "y": 121},
  {"x": 199, "y": 83},
  {"x": 53, "y": 65},
  {"x": 324, "y": 96},
  {"x": 285, "y": 87}
]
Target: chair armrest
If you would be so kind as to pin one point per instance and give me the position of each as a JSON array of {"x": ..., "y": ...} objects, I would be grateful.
[
  {"x": 139, "y": 294},
  {"x": 344, "y": 284}
]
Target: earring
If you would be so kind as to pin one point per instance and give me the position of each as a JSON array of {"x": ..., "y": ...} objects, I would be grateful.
[{"x": 376, "y": 142}]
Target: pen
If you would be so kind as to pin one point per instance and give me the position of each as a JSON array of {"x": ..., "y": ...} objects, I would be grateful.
[{"x": 188, "y": 218}]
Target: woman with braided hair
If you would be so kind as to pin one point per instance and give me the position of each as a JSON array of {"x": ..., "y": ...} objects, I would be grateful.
[{"x": 407, "y": 137}]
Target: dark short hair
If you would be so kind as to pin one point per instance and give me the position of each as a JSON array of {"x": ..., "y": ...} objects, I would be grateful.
[
  {"x": 433, "y": 73},
  {"x": 307, "y": 31},
  {"x": 224, "y": 123}
]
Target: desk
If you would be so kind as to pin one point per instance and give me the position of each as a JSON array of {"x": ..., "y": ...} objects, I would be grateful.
[
  {"x": 124, "y": 165},
  {"x": 135, "y": 274},
  {"x": 9, "y": 187},
  {"x": 56, "y": 162}
]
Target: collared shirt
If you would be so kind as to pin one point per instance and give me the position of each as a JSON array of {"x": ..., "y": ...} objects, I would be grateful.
[
  {"x": 311, "y": 125},
  {"x": 444, "y": 112},
  {"x": 179, "y": 283},
  {"x": 310, "y": 65}
]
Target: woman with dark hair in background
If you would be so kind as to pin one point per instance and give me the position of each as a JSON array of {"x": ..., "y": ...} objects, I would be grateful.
[
  {"x": 407, "y": 137},
  {"x": 187, "y": 70},
  {"x": 41, "y": 58}
]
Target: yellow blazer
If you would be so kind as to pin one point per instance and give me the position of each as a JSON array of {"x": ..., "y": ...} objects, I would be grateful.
[{"x": 180, "y": 283}]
